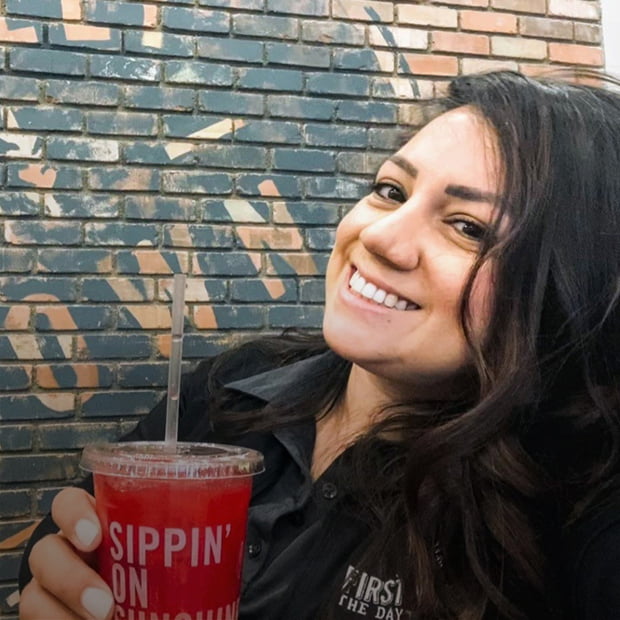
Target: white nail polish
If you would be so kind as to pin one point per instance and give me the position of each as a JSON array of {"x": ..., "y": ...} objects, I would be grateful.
[
  {"x": 97, "y": 602},
  {"x": 86, "y": 531}
]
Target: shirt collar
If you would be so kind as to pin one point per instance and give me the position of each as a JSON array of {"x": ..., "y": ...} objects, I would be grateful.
[{"x": 270, "y": 384}]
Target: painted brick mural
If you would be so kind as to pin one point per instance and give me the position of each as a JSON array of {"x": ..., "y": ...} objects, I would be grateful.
[{"x": 219, "y": 138}]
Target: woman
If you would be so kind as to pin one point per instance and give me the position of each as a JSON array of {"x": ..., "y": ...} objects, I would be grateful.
[{"x": 450, "y": 449}]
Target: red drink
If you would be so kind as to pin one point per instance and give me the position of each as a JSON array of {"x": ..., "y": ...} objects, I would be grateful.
[{"x": 172, "y": 546}]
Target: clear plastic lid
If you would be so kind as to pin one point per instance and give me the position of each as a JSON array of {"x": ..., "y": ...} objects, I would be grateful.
[{"x": 156, "y": 459}]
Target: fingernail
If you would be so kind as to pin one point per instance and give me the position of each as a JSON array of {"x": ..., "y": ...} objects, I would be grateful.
[
  {"x": 97, "y": 602},
  {"x": 86, "y": 531}
]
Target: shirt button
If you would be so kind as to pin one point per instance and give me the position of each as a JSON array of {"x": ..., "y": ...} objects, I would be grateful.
[
  {"x": 254, "y": 549},
  {"x": 330, "y": 490}
]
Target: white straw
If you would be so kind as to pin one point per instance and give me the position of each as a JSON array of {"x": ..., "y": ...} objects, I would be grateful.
[{"x": 174, "y": 368}]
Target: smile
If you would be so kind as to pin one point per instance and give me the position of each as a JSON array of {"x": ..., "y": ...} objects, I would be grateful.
[{"x": 372, "y": 292}]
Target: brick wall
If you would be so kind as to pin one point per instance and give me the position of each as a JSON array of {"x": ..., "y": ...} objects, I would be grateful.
[{"x": 220, "y": 138}]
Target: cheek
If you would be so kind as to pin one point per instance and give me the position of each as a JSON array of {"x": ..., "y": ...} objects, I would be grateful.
[{"x": 480, "y": 302}]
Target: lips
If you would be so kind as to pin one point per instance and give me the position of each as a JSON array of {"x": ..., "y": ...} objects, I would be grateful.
[{"x": 372, "y": 292}]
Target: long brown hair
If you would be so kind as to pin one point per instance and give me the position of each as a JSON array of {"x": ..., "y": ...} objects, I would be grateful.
[{"x": 481, "y": 483}]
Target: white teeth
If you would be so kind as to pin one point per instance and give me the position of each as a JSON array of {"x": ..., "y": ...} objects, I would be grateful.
[{"x": 371, "y": 291}]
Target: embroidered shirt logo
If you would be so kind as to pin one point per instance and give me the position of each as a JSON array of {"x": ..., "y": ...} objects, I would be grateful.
[{"x": 368, "y": 596}]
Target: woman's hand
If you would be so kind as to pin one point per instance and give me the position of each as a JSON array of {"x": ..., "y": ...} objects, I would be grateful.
[{"x": 64, "y": 586}]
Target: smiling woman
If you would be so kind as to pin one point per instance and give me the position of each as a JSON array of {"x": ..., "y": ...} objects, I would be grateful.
[{"x": 448, "y": 447}]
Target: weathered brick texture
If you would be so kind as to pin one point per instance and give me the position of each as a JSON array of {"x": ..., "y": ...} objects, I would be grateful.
[{"x": 220, "y": 138}]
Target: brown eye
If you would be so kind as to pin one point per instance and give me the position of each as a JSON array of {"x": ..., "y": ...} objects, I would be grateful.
[
  {"x": 470, "y": 229},
  {"x": 388, "y": 191}
]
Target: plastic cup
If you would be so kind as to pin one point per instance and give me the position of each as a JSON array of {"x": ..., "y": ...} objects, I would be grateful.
[{"x": 174, "y": 524}]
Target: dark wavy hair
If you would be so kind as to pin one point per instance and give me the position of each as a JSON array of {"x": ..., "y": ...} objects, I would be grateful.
[{"x": 481, "y": 484}]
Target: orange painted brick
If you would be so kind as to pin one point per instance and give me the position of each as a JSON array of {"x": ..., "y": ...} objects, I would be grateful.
[
  {"x": 546, "y": 28},
  {"x": 71, "y": 10},
  {"x": 575, "y": 54},
  {"x": 204, "y": 318},
  {"x": 531, "y": 49},
  {"x": 423, "y": 15},
  {"x": 16, "y": 31},
  {"x": 303, "y": 264},
  {"x": 460, "y": 43},
  {"x": 578, "y": 9},
  {"x": 17, "y": 318},
  {"x": 535, "y": 69},
  {"x": 425, "y": 64},
  {"x": 485, "y": 21},
  {"x": 86, "y": 376},
  {"x": 148, "y": 316},
  {"x": 467, "y": 3},
  {"x": 521, "y": 6},
  {"x": 258, "y": 237}
]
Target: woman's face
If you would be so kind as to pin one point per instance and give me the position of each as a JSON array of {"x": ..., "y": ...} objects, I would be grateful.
[{"x": 403, "y": 255}]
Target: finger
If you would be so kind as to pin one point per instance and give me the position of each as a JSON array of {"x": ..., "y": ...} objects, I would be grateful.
[
  {"x": 63, "y": 573},
  {"x": 37, "y": 604},
  {"x": 73, "y": 510}
]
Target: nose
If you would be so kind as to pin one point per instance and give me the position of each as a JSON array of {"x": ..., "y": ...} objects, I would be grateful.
[{"x": 395, "y": 237}]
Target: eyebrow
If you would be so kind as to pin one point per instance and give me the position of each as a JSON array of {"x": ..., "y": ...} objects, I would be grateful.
[{"x": 458, "y": 191}]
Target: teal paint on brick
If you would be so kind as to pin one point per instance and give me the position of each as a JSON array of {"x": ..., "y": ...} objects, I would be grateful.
[
  {"x": 171, "y": 44},
  {"x": 201, "y": 73},
  {"x": 339, "y": 187},
  {"x": 183, "y": 126},
  {"x": 47, "y": 61},
  {"x": 296, "y": 316},
  {"x": 9, "y": 567},
  {"x": 303, "y": 160},
  {"x": 115, "y": 13},
  {"x": 237, "y": 157},
  {"x": 16, "y": 260},
  {"x": 160, "y": 208},
  {"x": 19, "y": 88},
  {"x": 385, "y": 138},
  {"x": 49, "y": 8},
  {"x": 270, "y": 79},
  {"x": 83, "y": 149},
  {"x": 309, "y": 213},
  {"x": 125, "y": 68},
  {"x": 37, "y": 467},
  {"x": 283, "y": 268},
  {"x": 357, "y": 60},
  {"x": 360, "y": 163},
  {"x": 239, "y": 317},
  {"x": 254, "y": 290},
  {"x": 301, "y": 107},
  {"x": 288, "y": 186},
  {"x": 66, "y": 437},
  {"x": 128, "y": 262},
  {"x": 367, "y": 112},
  {"x": 195, "y": 20},
  {"x": 82, "y": 205},
  {"x": 312, "y": 291},
  {"x": 196, "y": 182},
  {"x": 69, "y": 260},
  {"x": 111, "y": 179},
  {"x": 120, "y": 233},
  {"x": 13, "y": 377},
  {"x": 276, "y": 132},
  {"x": 249, "y": 5},
  {"x": 100, "y": 290},
  {"x": 333, "y": 33},
  {"x": 87, "y": 318},
  {"x": 347, "y": 84},
  {"x": 159, "y": 98},
  {"x": 115, "y": 346},
  {"x": 120, "y": 403},
  {"x": 83, "y": 93},
  {"x": 198, "y": 236},
  {"x": 225, "y": 264},
  {"x": 20, "y": 146},
  {"x": 64, "y": 177},
  {"x": 58, "y": 37},
  {"x": 157, "y": 153},
  {"x": 240, "y": 50},
  {"x": 15, "y": 438},
  {"x": 25, "y": 232},
  {"x": 66, "y": 376},
  {"x": 300, "y": 55},
  {"x": 320, "y": 238},
  {"x": 19, "y": 203},
  {"x": 154, "y": 374},
  {"x": 14, "y": 504},
  {"x": 336, "y": 135},
  {"x": 27, "y": 407},
  {"x": 14, "y": 288},
  {"x": 231, "y": 102},
  {"x": 265, "y": 26},
  {"x": 197, "y": 346},
  {"x": 48, "y": 118},
  {"x": 314, "y": 8},
  {"x": 121, "y": 123},
  {"x": 44, "y": 499},
  {"x": 237, "y": 211},
  {"x": 17, "y": 24}
]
